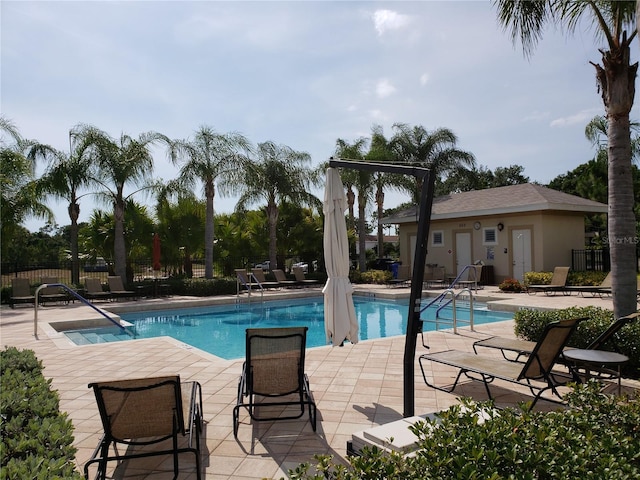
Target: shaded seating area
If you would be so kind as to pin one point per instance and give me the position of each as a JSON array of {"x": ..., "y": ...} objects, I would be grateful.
[
  {"x": 298, "y": 272},
  {"x": 273, "y": 384},
  {"x": 21, "y": 292},
  {"x": 557, "y": 284},
  {"x": 117, "y": 289},
  {"x": 94, "y": 290},
  {"x": 536, "y": 373},
  {"x": 139, "y": 413},
  {"x": 282, "y": 279},
  {"x": 52, "y": 294}
]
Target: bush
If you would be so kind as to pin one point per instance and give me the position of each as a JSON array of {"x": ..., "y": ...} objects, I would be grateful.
[
  {"x": 573, "y": 278},
  {"x": 37, "y": 440},
  {"x": 597, "y": 437},
  {"x": 378, "y": 277},
  {"x": 529, "y": 324},
  {"x": 511, "y": 285}
]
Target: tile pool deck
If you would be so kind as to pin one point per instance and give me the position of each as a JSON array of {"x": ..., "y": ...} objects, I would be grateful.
[{"x": 355, "y": 387}]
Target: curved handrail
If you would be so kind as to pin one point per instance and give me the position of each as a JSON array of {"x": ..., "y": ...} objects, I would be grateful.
[
  {"x": 252, "y": 281},
  {"x": 76, "y": 295}
]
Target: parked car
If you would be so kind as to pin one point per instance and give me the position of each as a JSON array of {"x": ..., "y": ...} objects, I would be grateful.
[
  {"x": 264, "y": 265},
  {"x": 100, "y": 265},
  {"x": 302, "y": 265}
]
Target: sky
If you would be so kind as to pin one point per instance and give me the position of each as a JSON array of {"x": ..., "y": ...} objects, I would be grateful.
[{"x": 300, "y": 74}]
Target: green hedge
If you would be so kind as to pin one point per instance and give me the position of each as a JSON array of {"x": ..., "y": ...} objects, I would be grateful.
[
  {"x": 596, "y": 437},
  {"x": 573, "y": 278},
  {"x": 529, "y": 324},
  {"x": 36, "y": 439}
]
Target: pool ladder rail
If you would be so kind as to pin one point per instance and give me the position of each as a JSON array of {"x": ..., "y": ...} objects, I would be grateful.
[
  {"x": 253, "y": 282},
  {"x": 446, "y": 298},
  {"x": 78, "y": 297}
]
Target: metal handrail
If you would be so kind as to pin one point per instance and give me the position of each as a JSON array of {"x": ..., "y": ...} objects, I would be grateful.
[
  {"x": 252, "y": 277},
  {"x": 76, "y": 295}
]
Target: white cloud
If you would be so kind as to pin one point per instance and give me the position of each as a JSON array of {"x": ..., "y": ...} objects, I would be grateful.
[
  {"x": 385, "y": 20},
  {"x": 581, "y": 118},
  {"x": 424, "y": 79},
  {"x": 384, "y": 88}
]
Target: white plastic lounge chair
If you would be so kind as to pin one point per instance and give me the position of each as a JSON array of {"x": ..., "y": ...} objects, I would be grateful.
[{"x": 536, "y": 373}]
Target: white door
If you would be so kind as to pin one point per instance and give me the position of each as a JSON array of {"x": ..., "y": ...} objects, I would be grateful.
[
  {"x": 521, "y": 248},
  {"x": 463, "y": 251}
]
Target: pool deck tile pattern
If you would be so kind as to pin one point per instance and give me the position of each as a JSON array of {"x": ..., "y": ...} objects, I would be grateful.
[{"x": 355, "y": 387}]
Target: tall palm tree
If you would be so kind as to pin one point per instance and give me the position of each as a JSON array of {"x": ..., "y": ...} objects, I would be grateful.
[
  {"x": 435, "y": 150},
  {"x": 65, "y": 177},
  {"x": 279, "y": 174},
  {"x": 362, "y": 181},
  {"x": 615, "y": 22},
  {"x": 20, "y": 196},
  {"x": 208, "y": 158},
  {"x": 120, "y": 163}
]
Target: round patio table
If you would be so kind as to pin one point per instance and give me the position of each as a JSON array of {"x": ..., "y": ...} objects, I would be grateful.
[{"x": 594, "y": 359}]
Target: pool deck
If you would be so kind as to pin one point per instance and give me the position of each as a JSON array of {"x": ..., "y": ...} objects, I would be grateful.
[{"x": 355, "y": 387}]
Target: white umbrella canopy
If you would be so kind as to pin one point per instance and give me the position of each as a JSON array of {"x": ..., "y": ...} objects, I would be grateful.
[{"x": 340, "y": 322}]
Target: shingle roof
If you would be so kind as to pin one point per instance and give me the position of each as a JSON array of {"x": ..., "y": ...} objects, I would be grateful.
[{"x": 526, "y": 197}]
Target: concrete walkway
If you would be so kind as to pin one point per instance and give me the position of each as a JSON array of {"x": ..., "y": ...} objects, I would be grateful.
[{"x": 355, "y": 387}]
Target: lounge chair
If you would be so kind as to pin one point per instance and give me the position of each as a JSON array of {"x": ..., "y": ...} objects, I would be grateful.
[
  {"x": 258, "y": 275},
  {"x": 20, "y": 292},
  {"x": 282, "y": 279},
  {"x": 603, "y": 288},
  {"x": 403, "y": 278},
  {"x": 52, "y": 294},
  {"x": 298, "y": 272},
  {"x": 117, "y": 288},
  {"x": 435, "y": 277},
  {"x": 523, "y": 348},
  {"x": 274, "y": 371},
  {"x": 246, "y": 281},
  {"x": 474, "y": 273},
  {"x": 145, "y": 411},
  {"x": 94, "y": 291},
  {"x": 538, "y": 367},
  {"x": 557, "y": 284}
]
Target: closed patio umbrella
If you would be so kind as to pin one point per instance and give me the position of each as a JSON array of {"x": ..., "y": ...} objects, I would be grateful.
[{"x": 340, "y": 322}]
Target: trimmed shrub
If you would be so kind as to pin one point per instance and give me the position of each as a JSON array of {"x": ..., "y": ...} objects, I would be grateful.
[
  {"x": 597, "y": 437},
  {"x": 573, "y": 278},
  {"x": 529, "y": 325},
  {"x": 512, "y": 285},
  {"x": 37, "y": 440}
]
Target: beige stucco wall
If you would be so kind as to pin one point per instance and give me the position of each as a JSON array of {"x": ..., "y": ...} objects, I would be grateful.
[{"x": 553, "y": 236}]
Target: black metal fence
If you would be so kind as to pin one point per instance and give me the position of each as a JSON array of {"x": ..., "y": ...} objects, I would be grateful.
[{"x": 590, "y": 260}]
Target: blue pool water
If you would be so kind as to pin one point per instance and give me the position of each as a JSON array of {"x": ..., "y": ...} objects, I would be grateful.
[{"x": 220, "y": 329}]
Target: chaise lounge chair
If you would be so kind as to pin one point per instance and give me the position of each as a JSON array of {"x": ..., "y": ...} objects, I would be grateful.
[
  {"x": 474, "y": 273},
  {"x": 274, "y": 372},
  {"x": 300, "y": 278},
  {"x": 142, "y": 412},
  {"x": 435, "y": 277},
  {"x": 94, "y": 291},
  {"x": 282, "y": 279},
  {"x": 258, "y": 275},
  {"x": 403, "y": 278},
  {"x": 538, "y": 367},
  {"x": 246, "y": 281},
  {"x": 52, "y": 294},
  {"x": 603, "y": 288},
  {"x": 20, "y": 292},
  {"x": 558, "y": 283},
  {"x": 117, "y": 288},
  {"x": 523, "y": 348}
]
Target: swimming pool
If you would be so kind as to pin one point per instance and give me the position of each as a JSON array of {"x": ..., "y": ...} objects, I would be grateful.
[{"x": 220, "y": 329}]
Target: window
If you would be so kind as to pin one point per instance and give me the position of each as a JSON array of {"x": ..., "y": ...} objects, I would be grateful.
[
  {"x": 437, "y": 238},
  {"x": 489, "y": 236}
]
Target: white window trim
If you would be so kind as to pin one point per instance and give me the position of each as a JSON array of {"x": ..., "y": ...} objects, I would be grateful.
[
  {"x": 433, "y": 238},
  {"x": 484, "y": 236}
]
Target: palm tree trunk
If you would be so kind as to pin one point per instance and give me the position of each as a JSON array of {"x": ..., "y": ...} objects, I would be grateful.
[
  {"x": 272, "y": 218},
  {"x": 119, "y": 250},
  {"x": 208, "y": 231},
  {"x": 362, "y": 235},
  {"x": 380, "y": 203},
  {"x": 74, "y": 213}
]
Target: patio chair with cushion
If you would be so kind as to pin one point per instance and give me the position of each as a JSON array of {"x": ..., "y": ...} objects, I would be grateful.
[
  {"x": 557, "y": 284},
  {"x": 142, "y": 412},
  {"x": 536, "y": 374},
  {"x": 273, "y": 377},
  {"x": 21, "y": 292},
  {"x": 282, "y": 279},
  {"x": 94, "y": 291},
  {"x": 117, "y": 288},
  {"x": 52, "y": 294}
]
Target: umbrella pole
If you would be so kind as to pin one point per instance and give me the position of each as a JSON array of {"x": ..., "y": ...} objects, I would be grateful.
[{"x": 413, "y": 319}]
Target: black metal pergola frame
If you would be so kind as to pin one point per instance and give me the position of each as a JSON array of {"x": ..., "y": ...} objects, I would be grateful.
[{"x": 415, "y": 300}]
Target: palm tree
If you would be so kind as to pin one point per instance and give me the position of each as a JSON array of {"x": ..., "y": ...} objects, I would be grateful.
[
  {"x": 66, "y": 175},
  {"x": 279, "y": 174},
  {"x": 616, "y": 23},
  {"x": 20, "y": 196},
  {"x": 362, "y": 181},
  {"x": 120, "y": 163},
  {"x": 435, "y": 150},
  {"x": 208, "y": 158}
]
